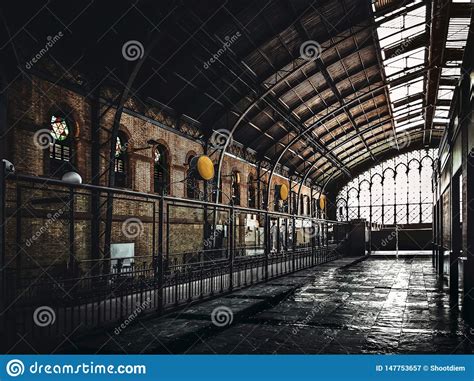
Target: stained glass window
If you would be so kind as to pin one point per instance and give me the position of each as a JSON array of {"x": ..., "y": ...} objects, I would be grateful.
[
  {"x": 120, "y": 161},
  {"x": 60, "y": 148},
  {"x": 59, "y": 128},
  {"x": 161, "y": 170}
]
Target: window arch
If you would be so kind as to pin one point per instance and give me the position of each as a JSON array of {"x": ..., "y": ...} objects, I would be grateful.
[
  {"x": 161, "y": 170},
  {"x": 396, "y": 191},
  {"x": 263, "y": 194},
  {"x": 307, "y": 205},
  {"x": 121, "y": 158},
  {"x": 251, "y": 194},
  {"x": 213, "y": 185},
  {"x": 235, "y": 187},
  {"x": 294, "y": 203},
  {"x": 61, "y": 146},
  {"x": 192, "y": 185}
]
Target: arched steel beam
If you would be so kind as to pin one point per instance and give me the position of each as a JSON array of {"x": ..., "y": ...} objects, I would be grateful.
[
  {"x": 416, "y": 145},
  {"x": 352, "y": 137},
  {"x": 378, "y": 134},
  {"x": 311, "y": 128},
  {"x": 265, "y": 94},
  {"x": 114, "y": 132},
  {"x": 346, "y": 141}
]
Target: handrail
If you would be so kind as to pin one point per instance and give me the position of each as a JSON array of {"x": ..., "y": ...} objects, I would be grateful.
[{"x": 50, "y": 181}]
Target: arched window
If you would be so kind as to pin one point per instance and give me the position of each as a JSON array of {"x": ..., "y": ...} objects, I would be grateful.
[
  {"x": 251, "y": 199},
  {"x": 121, "y": 160},
  {"x": 236, "y": 188},
  {"x": 192, "y": 185},
  {"x": 308, "y": 206},
  {"x": 60, "y": 149},
  {"x": 263, "y": 194},
  {"x": 301, "y": 205},
  {"x": 161, "y": 169},
  {"x": 213, "y": 185},
  {"x": 396, "y": 191},
  {"x": 294, "y": 203}
]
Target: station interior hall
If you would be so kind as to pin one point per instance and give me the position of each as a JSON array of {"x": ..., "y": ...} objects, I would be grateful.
[{"x": 237, "y": 177}]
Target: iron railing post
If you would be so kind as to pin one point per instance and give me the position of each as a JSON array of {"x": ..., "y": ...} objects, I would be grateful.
[
  {"x": 293, "y": 244},
  {"x": 266, "y": 232},
  {"x": 158, "y": 266},
  {"x": 3, "y": 295},
  {"x": 231, "y": 248}
]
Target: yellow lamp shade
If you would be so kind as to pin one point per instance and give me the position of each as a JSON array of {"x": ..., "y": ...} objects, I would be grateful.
[
  {"x": 283, "y": 192},
  {"x": 205, "y": 167},
  {"x": 322, "y": 202}
]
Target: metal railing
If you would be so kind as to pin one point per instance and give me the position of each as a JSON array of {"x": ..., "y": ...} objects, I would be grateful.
[{"x": 166, "y": 252}]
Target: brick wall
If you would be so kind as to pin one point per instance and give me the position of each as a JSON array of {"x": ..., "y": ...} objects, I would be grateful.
[{"x": 30, "y": 106}]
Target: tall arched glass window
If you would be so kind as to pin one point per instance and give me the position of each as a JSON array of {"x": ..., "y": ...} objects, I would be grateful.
[
  {"x": 235, "y": 188},
  {"x": 60, "y": 149},
  {"x": 121, "y": 160},
  {"x": 251, "y": 196},
  {"x": 213, "y": 185},
  {"x": 192, "y": 185},
  {"x": 161, "y": 169},
  {"x": 397, "y": 191}
]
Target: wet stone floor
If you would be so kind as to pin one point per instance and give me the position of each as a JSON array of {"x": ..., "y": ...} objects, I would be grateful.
[{"x": 375, "y": 306}]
